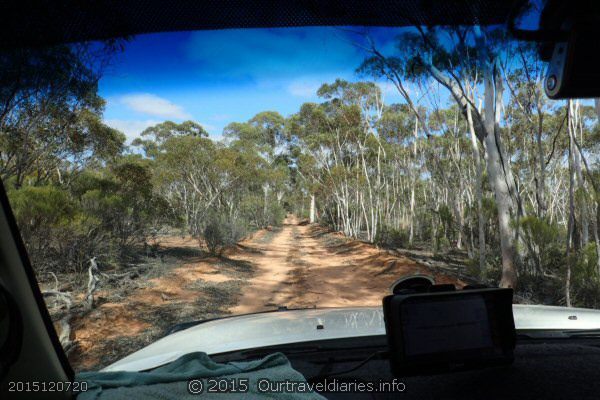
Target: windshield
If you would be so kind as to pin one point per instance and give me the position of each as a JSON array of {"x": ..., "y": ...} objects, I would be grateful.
[{"x": 184, "y": 176}]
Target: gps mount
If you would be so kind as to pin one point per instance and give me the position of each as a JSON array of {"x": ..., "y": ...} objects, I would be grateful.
[{"x": 436, "y": 328}]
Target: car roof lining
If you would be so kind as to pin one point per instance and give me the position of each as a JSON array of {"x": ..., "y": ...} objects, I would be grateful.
[{"x": 47, "y": 22}]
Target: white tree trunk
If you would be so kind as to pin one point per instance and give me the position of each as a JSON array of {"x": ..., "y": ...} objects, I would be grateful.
[
  {"x": 578, "y": 171},
  {"x": 412, "y": 214},
  {"x": 498, "y": 177},
  {"x": 571, "y": 221},
  {"x": 414, "y": 181},
  {"x": 478, "y": 192},
  {"x": 312, "y": 209},
  {"x": 265, "y": 202}
]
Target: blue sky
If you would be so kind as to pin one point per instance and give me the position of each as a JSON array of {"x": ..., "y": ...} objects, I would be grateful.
[{"x": 217, "y": 77}]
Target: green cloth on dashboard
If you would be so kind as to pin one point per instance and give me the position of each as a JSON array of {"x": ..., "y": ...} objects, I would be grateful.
[{"x": 171, "y": 381}]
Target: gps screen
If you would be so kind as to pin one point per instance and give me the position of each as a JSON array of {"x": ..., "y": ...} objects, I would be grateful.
[{"x": 449, "y": 325}]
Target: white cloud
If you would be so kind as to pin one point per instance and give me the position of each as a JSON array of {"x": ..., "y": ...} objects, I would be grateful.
[
  {"x": 217, "y": 137},
  {"x": 388, "y": 88},
  {"x": 209, "y": 128},
  {"x": 151, "y": 104},
  {"x": 220, "y": 117},
  {"x": 390, "y": 92},
  {"x": 131, "y": 128},
  {"x": 303, "y": 88}
]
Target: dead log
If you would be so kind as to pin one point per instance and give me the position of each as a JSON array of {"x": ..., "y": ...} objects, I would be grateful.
[
  {"x": 92, "y": 283},
  {"x": 63, "y": 299}
]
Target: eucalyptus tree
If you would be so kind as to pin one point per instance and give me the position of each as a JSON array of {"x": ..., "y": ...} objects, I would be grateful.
[
  {"x": 263, "y": 139},
  {"x": 306, "y": 130},
  {"x": 152, "y": 138},
  {"x": 341, "y": 139},
  {"x": 461, "y": 59},
  {"x": 527, "y": 108},
  {"x": 50, "y": 112},
  {"x": 400, "y": 131}
]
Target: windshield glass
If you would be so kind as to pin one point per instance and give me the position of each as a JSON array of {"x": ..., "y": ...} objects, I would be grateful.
[{"x": 178, "y": 177}]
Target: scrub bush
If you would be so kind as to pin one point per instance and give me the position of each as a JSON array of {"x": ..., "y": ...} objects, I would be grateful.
[{"x": 391, "y": 238}]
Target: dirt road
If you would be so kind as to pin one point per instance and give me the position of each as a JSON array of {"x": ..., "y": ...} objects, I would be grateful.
[
  {"x": 296, "y": 265},
  {"x": 308, "y": 266}
]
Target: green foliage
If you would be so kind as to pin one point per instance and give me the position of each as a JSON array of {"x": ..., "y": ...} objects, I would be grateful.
[
  {"x": 493, "y": 270},
  {"x": 53, "y": 226},
  {"x": 41, "y": 212},
  {"x": 220, "y": 232},
  {"x": 154, "y": 137},
  {"x": 543, "y": 245},
  {"x": 538, "y": 289},
  {"x": 252, "y": 206},
  {"x": 103, "y": 214},
  {"x": 447, "y": 226},
  {"x": 391, "y": 238},
  {"x": 214, "y": 237},
  {"x": 40, "y": 206},
  {"x": 50, "y": 112},
  {"x": 586, "y": 277}
]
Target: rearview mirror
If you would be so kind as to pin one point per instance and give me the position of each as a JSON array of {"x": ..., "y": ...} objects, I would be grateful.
[{"x": 573, "y": 71}]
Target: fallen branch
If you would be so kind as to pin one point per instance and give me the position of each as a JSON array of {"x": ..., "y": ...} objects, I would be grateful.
[
  {"x": 92, "y": 283},
  {"x": 429, "y": 261},
  {"x": 64, "y": 297},
  {"x": 65, "y": 322}
]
